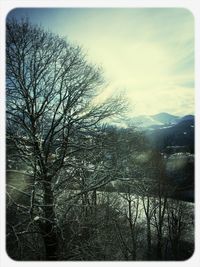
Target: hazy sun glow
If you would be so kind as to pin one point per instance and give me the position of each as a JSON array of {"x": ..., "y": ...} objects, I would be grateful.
[{"x": 148, "y": 53}]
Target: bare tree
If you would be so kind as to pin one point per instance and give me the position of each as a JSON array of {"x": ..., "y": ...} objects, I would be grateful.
[
  {"x": 148, "y": 208},
  {"x": 178, "y": 224},
  {"x": 50, "y": 104},
  {"x": 160, "y": 200}
]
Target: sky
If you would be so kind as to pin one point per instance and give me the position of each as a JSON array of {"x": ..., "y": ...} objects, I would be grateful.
[{"x": 147, "y": 53}]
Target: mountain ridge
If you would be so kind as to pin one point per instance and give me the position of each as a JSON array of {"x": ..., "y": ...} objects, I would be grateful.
[{"x": 155, "y": 121}]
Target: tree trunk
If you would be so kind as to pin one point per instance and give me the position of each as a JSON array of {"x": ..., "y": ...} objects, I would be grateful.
[
  {"x": 159, "y": 247},
  {"x": 133, "y": 252},
  {"x": 132, "y": 232},
  {"x": 149, "y": 249},
  {"x": 49, "y": 227}
]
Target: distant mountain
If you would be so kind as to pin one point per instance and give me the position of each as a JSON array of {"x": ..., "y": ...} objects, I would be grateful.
[
  {"x": 165, "y": 118},
  {"x": 179, "y": 134},
  {"x": 157, "y": 121},
  {"x": 187, "y": 118},
  {"x": 143, "y": 121}
]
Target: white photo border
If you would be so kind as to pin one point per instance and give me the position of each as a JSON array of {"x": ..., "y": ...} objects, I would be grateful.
[{"x": 192, "y": 5}]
